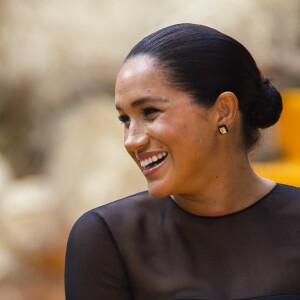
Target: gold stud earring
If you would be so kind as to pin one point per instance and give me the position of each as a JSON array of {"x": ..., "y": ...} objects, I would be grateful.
[{"x": 223, "y": 129}]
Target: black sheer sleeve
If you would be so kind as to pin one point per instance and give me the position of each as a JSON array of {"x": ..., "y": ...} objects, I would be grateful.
[{"x": 94, "y": 268}]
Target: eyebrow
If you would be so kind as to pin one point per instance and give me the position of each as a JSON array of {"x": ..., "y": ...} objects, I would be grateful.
[{"x": 143, "y": 100}]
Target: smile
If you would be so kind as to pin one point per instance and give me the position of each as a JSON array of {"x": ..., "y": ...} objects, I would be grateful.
[{"x": 153, "y": 160}]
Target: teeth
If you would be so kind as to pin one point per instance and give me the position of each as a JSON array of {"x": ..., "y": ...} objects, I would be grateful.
[{"x": 154, "y": 158}]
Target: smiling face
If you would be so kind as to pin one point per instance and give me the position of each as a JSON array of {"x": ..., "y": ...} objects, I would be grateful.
[{"x": 171, "y": 138}]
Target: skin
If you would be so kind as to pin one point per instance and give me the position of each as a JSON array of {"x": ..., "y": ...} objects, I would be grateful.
[{"x": 206, "y": 173}]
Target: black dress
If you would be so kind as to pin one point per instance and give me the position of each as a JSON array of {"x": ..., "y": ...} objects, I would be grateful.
[{"x": 142, "y": 247}]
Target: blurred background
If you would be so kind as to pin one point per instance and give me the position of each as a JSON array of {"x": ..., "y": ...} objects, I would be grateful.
[{"x": 61, "y": 149}]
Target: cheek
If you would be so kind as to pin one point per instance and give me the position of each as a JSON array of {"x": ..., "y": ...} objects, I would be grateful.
[
  {"x": 168, "y": 129},
  {"x": 198, "y": 143}
]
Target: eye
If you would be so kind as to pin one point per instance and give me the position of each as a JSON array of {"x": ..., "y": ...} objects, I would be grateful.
[
  {"x": 150, "y": 110},
  {"x": 124, "y": 119}
]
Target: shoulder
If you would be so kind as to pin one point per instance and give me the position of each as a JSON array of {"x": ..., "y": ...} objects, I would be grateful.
[
  {"x": 125, "y": 212},
  {"x": 285, "y": 200},
  {"x": 138, "y": 199},
  {"x": 136, "y": 203},
  {"x": 138, "y": 206},
  {"x": 287, "y": 192}
]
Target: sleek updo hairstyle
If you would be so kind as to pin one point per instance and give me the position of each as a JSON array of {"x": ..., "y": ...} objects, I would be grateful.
[{"x": 205, "y": 63}]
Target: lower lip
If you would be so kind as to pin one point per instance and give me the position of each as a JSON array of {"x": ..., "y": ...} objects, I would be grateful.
[{"x": 152, "y": 170}]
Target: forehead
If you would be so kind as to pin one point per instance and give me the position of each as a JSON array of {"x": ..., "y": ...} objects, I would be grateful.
[
  {"x": 141, "y": 80},
  {"x": 140, "y": 74},
  {"x": 137, "y": 65}
]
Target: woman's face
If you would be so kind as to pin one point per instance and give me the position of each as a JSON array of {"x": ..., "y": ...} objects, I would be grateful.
[{"x": 171, "y": 138}]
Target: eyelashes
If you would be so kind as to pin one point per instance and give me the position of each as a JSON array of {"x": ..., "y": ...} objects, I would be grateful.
[
  {"x": 148, "y": 113},
  {"x": 123, "y": 119}
]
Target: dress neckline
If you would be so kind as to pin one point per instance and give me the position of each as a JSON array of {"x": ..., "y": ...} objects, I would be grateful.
[{"x": 239, "y": 212}]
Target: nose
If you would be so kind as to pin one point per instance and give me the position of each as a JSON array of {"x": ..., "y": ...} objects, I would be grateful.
[{"x": 135, "y": 141}]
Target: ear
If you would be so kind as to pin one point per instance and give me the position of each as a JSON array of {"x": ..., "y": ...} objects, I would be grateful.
[{"x": 226, "y": 108}]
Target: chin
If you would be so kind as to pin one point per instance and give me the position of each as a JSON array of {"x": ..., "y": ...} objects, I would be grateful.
[{"x": 159, "y": 192}]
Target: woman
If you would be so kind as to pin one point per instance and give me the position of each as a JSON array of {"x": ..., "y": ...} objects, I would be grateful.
[{"x": 192, "y": 101}]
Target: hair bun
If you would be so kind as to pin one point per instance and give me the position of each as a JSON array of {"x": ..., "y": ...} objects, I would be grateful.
[{"x": 267, "y": 109}]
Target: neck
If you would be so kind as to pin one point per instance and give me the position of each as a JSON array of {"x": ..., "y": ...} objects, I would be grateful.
[{"x": 233, "y": 189}]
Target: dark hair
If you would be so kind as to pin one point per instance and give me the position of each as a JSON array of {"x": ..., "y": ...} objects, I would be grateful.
[{"x": 205, "y": 62}]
